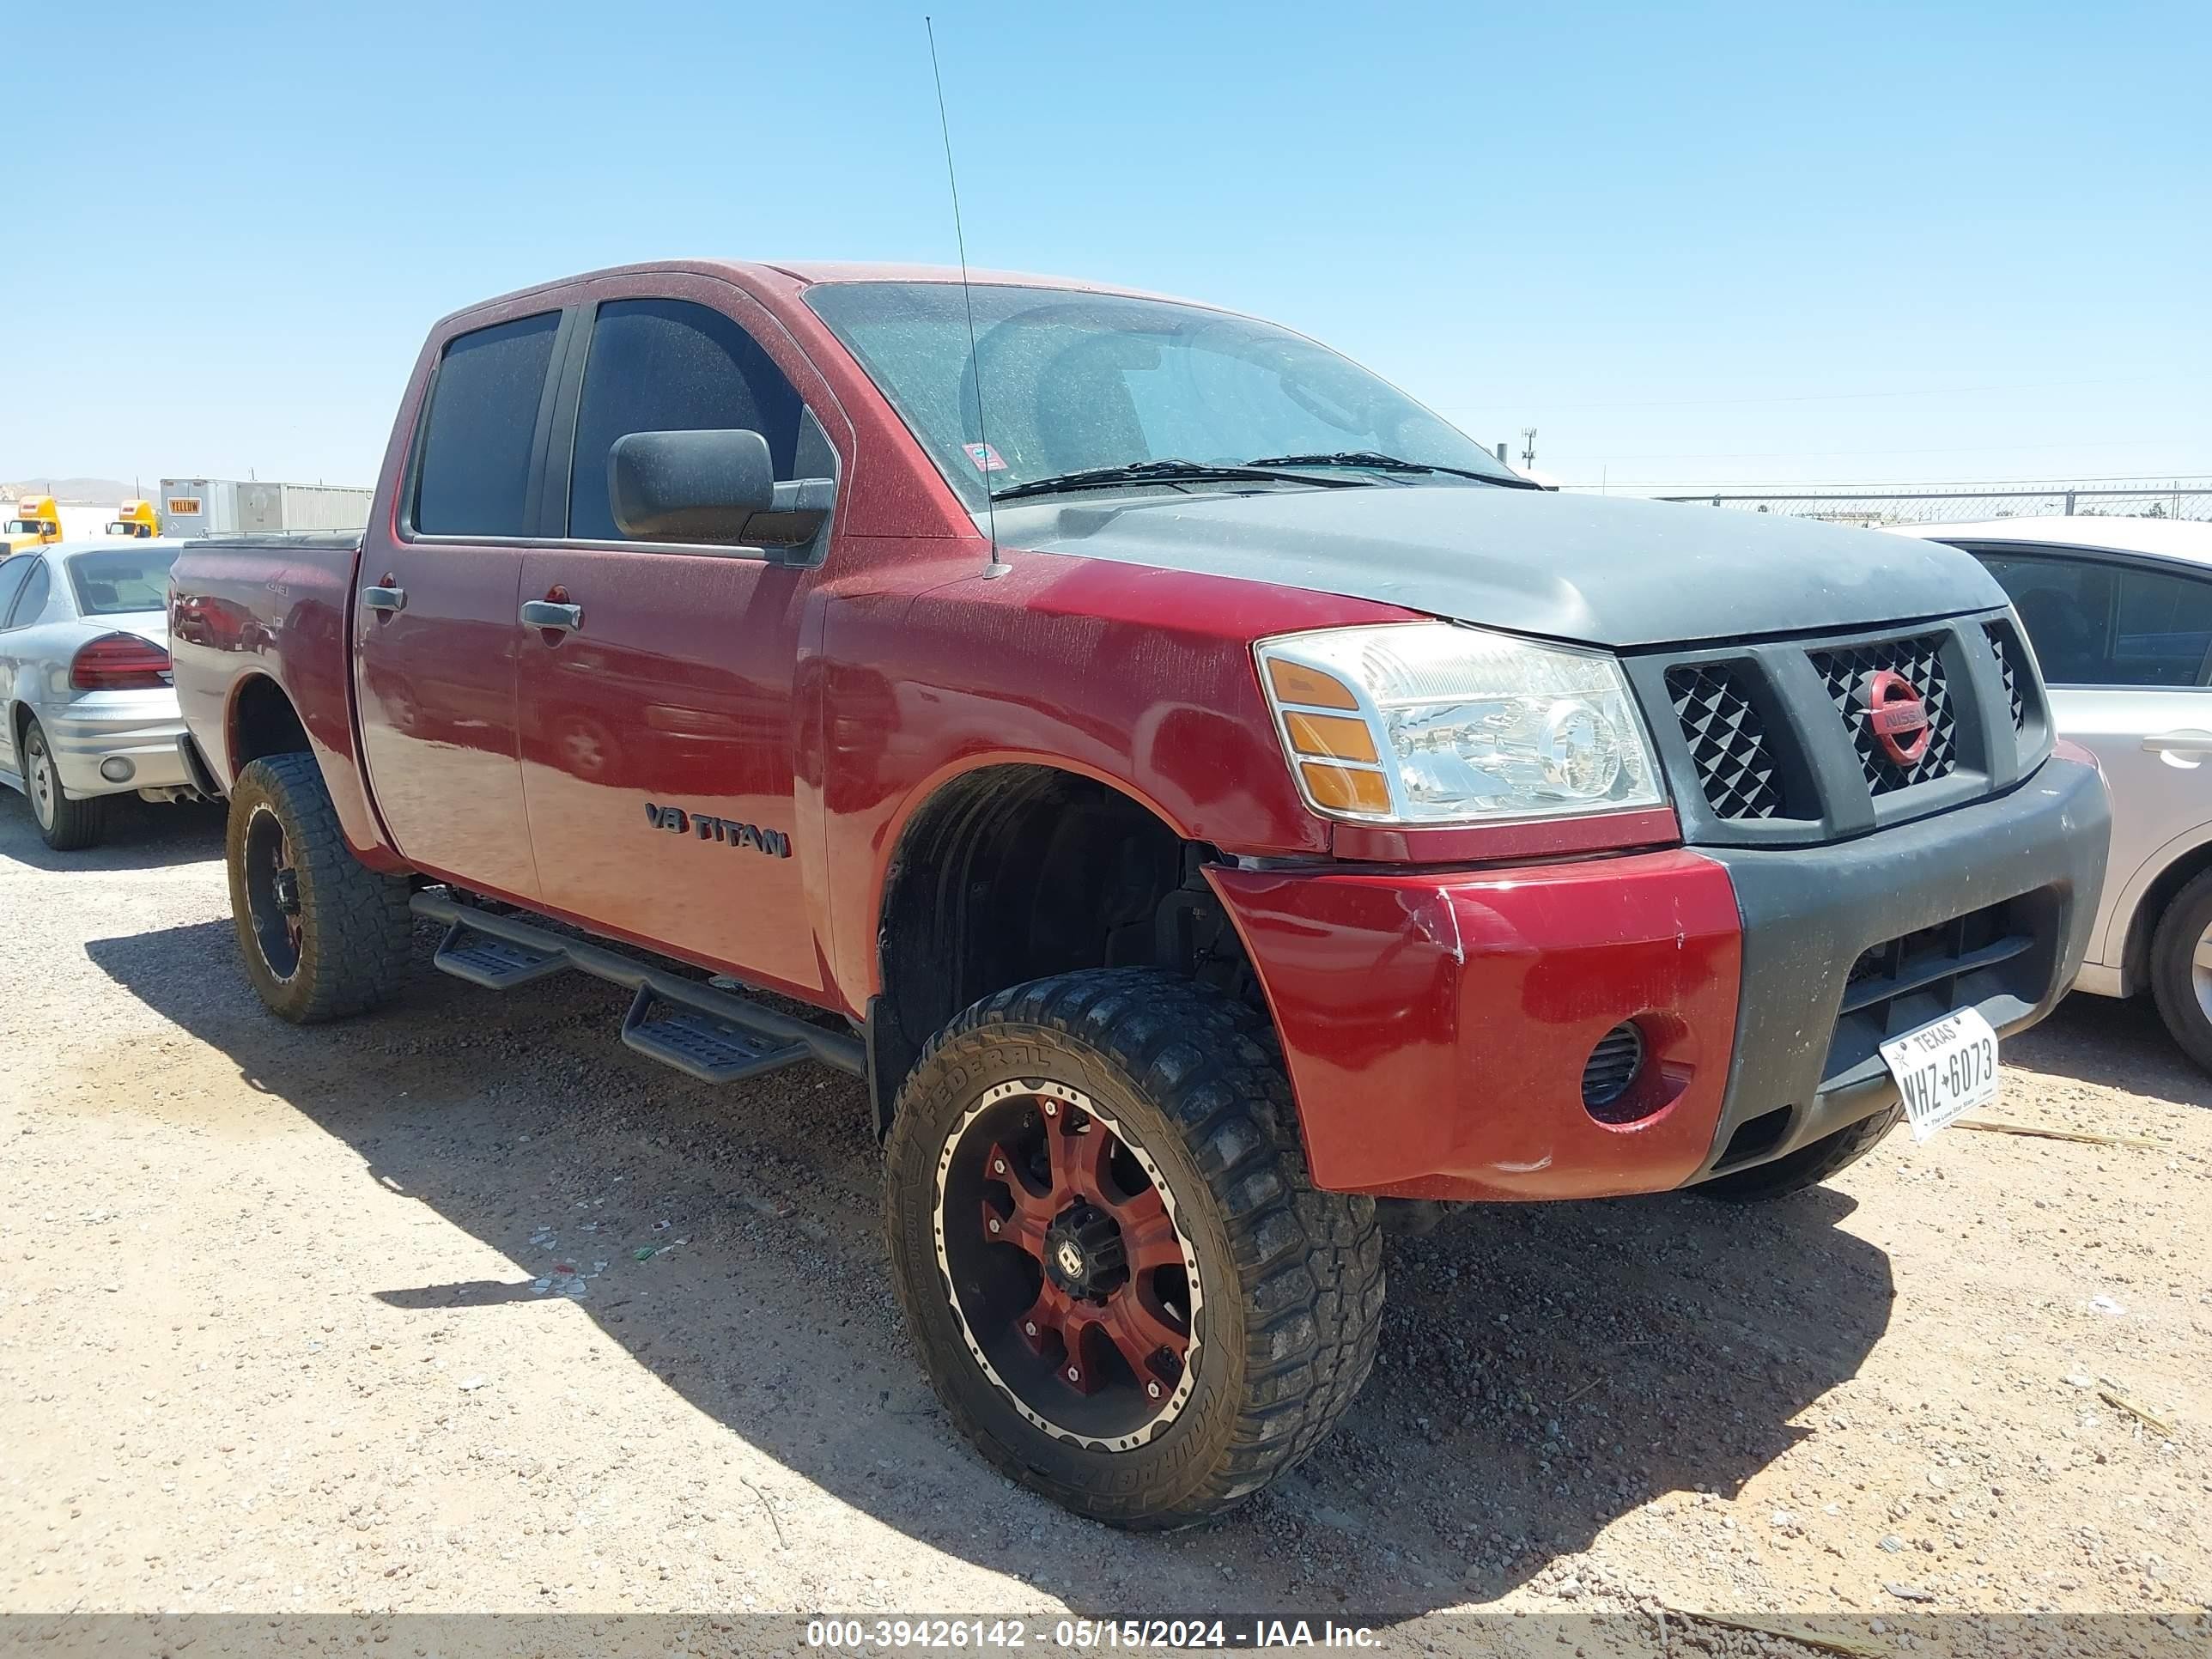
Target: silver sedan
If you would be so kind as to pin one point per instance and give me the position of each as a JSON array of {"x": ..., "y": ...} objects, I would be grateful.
[
  {"x": 2119, "y": 614},
  {"x": 87, "y": 708}
]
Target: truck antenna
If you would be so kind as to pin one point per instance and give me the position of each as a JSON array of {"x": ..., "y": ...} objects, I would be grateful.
[{"x": 985, "y": 460}]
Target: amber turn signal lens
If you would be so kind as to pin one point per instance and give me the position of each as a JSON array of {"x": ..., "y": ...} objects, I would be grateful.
[
  {"x": 1342, "y": 790},
  {"x": 1332, "y": 736},
  {"x": 1294, "y": 682}
]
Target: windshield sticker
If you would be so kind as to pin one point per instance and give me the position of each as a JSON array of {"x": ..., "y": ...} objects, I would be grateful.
[{"x": 987, "y": 459}]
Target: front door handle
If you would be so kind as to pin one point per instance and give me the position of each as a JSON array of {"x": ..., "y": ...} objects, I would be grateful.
[
  {"x": 384, "y": 599},
  {"x": 545, "y": 613},
  {"x": 2179, "y": 743}
]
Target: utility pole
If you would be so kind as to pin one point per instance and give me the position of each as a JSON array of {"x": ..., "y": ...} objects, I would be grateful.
[{"x": 1527, "y": 447}]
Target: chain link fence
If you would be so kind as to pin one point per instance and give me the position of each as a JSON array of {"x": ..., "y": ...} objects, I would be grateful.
[{"x": 2177, "y": 498}]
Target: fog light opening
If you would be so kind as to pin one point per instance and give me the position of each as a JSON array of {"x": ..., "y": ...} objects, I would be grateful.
[
  {"x": 1610, "y": 1074},
  {"x": 117, "y": 769}
]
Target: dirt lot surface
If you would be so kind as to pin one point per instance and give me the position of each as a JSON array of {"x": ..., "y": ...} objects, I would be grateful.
[{"x": 465, "y": 1307}]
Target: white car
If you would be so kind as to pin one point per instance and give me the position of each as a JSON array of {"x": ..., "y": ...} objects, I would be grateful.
[
  {"x": 2119, "y": 612},
  {"x": 87, "y": 707}
]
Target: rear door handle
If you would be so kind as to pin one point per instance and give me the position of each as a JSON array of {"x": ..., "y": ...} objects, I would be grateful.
[
  {"x": 2179, "y": 743},
  {"x": 545, "y": 613},
  {"x": 384, "y": 599}
]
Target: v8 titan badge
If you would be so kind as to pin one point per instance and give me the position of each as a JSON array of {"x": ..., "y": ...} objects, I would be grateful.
[{"x": 1944, "y": 1070}]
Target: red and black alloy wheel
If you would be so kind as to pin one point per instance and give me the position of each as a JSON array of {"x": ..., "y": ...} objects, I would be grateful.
[
  {"x": 1076, "y": 1290},
  {"x": 1125, "y": 1289}
]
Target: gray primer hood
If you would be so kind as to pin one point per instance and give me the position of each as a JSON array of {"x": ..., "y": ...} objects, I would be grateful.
[{"x": 1600, "y": 570}]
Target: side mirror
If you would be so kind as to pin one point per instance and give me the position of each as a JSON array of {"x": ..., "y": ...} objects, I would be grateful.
[
  {"x": 716, "y": 486},
  {"x": 690, "y": 486}
]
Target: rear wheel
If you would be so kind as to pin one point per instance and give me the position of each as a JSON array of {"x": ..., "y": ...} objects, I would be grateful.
[
  {"x": 2181, "y": 969},
  {"x": 68, "y": 823},
  {"x": 1124, "y": 1288},
  {"x": 1808, "y": 1166},
  {"x": 323, "y": 935}
]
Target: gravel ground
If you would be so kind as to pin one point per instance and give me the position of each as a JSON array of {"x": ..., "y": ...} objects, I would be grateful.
[{"x": 465, "y": 1307}]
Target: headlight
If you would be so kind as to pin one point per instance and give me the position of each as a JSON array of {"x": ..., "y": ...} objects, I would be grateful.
[{"x": 1432, "y": 723}]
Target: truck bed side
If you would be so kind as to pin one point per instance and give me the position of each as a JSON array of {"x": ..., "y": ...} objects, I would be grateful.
[{"x": 258, "y": 634}]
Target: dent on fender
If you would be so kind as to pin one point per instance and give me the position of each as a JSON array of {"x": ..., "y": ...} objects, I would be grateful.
[{"x": 1436, "y": 1026}]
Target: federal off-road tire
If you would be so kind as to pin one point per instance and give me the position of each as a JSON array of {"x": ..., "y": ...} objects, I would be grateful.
[
  {"x": 2179, "y": 983},
  {"x": 323, "y": 935},
  {"x": 1284, "y": 1295},
  {"x": 67, "y": 822},
  {"x": 1808, "y": 1166}
]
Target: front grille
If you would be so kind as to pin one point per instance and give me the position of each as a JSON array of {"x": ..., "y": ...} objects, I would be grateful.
[
  {"x": 1914, "y": 961},
  {"x": 1917, "y": 976},
  {"x": 1764, "y": 759},
  {"x": 1920, "y": 660},
  {"x": 1727, "y": 741},
  {"x": 2002, "y": 646}
]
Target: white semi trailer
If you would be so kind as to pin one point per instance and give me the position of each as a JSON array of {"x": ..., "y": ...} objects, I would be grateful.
[{"x": 230, "y": 506}]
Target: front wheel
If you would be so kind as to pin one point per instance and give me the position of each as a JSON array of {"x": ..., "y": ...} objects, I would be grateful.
[
  {"x": 323, "y": 935},
  {"x": 1125, "y": 1290},
  {"x": 67, "y": 822},
  {"x": 2181, "y": 969}
]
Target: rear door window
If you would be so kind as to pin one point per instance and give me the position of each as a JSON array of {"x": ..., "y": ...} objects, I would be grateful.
[
  {"x": 31, "y": 603},
  {"x": 2162, "y": 629},
  {"x": 671, "y": 366},
  {"x": 2097, "y": 622},
  {"x": 474, "y": 476},
  {"x": 14, "y": 573}
]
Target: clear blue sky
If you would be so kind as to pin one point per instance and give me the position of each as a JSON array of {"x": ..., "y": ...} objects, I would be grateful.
[{"x": 1688, "y": 243}]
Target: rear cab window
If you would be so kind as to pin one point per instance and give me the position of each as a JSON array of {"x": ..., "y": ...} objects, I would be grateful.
[{"x": 472, "y": 478}]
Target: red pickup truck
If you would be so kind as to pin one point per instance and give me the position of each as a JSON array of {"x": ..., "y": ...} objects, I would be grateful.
[{"x": 1213, "y": 803}]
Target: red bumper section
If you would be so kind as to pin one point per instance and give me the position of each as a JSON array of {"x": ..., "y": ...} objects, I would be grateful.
[{"x": 1436, "y": 1025}]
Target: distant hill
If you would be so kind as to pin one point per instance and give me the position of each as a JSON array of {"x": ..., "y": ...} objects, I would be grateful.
[{"x": 104, "y": 491}]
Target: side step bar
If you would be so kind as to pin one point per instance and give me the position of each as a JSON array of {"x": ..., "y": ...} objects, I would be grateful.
[
  {"x": 495, "y": 963},
  {"x": 714, "y": 1035}
]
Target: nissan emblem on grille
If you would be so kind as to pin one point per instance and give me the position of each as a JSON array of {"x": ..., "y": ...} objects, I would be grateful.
[
  {"x": 1897, "y": 716},
  {"x": 1909, "y": 753}
]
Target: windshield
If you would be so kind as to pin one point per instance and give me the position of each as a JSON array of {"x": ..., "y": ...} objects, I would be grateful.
[
  {"x": 25, "y": 527},
  {"x": 1074, "y": 380},
  {"x": 109, "y": 584}
]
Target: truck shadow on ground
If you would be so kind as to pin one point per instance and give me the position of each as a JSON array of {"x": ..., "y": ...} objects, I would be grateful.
[
  {"x": 1544, "y": 1369},
  {"x": 139, "y": 835},
  {"x": 2113, "y": 1045}
]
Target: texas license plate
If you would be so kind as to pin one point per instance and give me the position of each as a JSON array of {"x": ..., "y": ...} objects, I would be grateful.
[{"x": 1945, "y": 1069}]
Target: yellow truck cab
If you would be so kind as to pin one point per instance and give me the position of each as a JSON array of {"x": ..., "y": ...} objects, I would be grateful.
[
  {"x": 37, "y": 521},
  {"x": 135, "y": 518}
]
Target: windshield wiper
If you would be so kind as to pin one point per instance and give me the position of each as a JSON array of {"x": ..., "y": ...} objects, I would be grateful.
[
  {"x": 1162, "y": 471},
  {"x": 1374, "y": 461}
]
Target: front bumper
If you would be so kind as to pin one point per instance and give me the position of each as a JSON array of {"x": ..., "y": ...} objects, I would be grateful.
[
  {"x": 140, "y": 727},
  {"x": 1435, "y": 1025},
  {"x": 1824, "y": 986}
]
